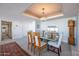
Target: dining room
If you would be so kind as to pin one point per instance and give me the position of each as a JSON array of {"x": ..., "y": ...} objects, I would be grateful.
[{"x": 43, "y": 29}]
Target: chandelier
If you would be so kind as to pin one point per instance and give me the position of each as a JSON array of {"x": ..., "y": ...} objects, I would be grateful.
[{"x": 43, "y": 14}]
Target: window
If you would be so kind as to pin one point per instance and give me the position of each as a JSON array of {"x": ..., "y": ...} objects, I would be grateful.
[{"x": 52, "y": 28}]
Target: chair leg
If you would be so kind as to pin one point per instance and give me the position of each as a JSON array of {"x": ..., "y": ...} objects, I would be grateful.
[
  {"x": 34, "y": 50},
  {"x": 60, "y": 48},
  {"x": 58, "y": 52},
  {"x": 39, "y": 51},
  {"x": 31, "y": 48},
  {"x": 28, "y": 46},
  {"x": 47, "y": 47}
]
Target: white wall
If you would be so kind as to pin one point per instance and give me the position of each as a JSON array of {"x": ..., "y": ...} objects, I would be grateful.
[
  {"x": 32, "y": 26},
  {"x": 62, "y": 25},
  {"x": 17, "y": 31},
  {"x": 78, "y": 32},
  {"x": 19, "y": 28},
  {"x": 0, "y": 30}
]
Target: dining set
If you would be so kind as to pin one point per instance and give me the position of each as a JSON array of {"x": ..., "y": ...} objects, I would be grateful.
[{"x": 44, "y": 40}]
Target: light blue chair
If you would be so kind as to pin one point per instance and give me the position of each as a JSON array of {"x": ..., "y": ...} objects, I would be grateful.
[{"x": 55, "y": 45}]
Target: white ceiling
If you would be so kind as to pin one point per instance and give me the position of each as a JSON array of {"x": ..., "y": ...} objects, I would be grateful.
[{"x": 14, "y": 11}]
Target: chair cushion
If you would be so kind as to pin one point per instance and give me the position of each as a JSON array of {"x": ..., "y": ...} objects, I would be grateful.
[
  {"x": 42, "y": 44},
  {"x": 55, "y": 44}
]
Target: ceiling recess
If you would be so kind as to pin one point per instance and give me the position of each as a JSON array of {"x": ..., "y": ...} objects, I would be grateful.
[{"x": 43, "y": 11}]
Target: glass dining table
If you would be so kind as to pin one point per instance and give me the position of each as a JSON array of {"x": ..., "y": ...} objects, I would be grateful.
[{"x": 45, "y": 39}]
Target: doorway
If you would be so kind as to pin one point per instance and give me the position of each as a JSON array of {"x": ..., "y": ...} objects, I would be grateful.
[{"x": 6, "y": 30}]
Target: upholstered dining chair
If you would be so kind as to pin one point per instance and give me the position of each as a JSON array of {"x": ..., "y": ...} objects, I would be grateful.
[
  {"x": 43, "y": 35},
  {"x": 38, "y": 43},
  {"x": 56, "y": 45},
  {"x": 30, "y": 40}
]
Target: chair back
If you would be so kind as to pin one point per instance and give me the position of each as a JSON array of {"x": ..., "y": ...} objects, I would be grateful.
[
  {"x": 42, "y": 33},
  {"x": 60, "y": 38},
  {"x": 29, "y": 37},
  {"x": 37, "y": 38}
]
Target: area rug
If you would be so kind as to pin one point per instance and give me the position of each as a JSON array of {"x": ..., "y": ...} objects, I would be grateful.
[{"x": 12, "y": 49}]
